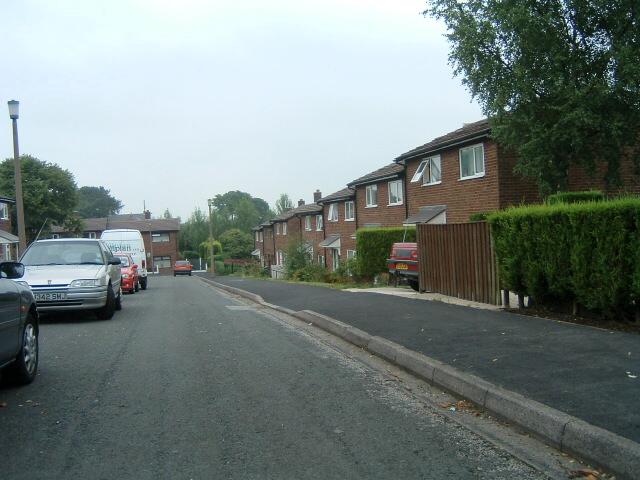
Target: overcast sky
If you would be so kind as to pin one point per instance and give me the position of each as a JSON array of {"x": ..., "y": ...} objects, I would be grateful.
[{"x": 173, "y": 101}]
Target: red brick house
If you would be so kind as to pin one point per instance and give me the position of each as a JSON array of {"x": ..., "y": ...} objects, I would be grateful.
[
  {"x": 379, "y": 197},
  {"x": 8, "y": 241},
  {"x": 264, "y": 244},
  {"x": 339, "y": 218}
]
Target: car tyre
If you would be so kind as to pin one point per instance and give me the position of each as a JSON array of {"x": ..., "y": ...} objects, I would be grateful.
[
  {"x": 119, "y": 300},
  {"x": 106, "y": 312},
  {"x": 189, "y": 273},
  {"x": 25, "y": 367},
  {"x": 137, "y": 286},
  {"x": 415, "y": 284},
  {"x": 143, "y": 283}
]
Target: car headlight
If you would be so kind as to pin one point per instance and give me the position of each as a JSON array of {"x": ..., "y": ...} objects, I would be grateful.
[
  {"x": 94, "y": 282},
  {"x": 23, "y": 283},
  {"x": 125, "y": 275}
]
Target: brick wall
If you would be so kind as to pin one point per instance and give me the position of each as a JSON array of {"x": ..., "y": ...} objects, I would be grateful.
[
  {"x": 579, "y": 179},
  {"x": 384, "y": 214},
  {"x": 161, "y": 249},
  {"x": 6, "y": 225},
  {"x": 514, "y": 188},
  {"x": 313, "y": 236},
  {"x": 347, "y": 230},
  {"x": 267, "y": 245}
]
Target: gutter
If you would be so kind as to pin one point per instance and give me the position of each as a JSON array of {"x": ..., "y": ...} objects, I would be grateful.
[{"x": 409, "y": 156}]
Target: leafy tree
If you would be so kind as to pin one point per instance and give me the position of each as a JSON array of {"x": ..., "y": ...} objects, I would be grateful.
[
  {"x": 236, "y": 209},
  {"x": 236, "y": 243},
  {"x": 95, "y": 202},
  {"x": 283, "y": 203},
  {"x": 48, "y": 191},
  {"x": 194, "y": 231},
  {"x": 167, "y": 214},
  {"x": 558, "y": 79}
]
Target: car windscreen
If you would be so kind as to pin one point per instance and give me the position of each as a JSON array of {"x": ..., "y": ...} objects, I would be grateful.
[
  {"x": 124, "y": 261},
  {"x": 182, "y": 263},
  {"x": 63, "y": 253}
]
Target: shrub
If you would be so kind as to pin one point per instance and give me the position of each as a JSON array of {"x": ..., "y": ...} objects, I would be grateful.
[
  {"x": 374, "y": 246},
  {"x": 583, "y": 252},
  {"x": 298, "y": 264},
  {"x": 479, "y": 216},
  {"x": 575, "y": 197}
]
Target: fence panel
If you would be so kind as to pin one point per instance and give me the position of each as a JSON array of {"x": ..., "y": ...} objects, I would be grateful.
[{"x": 458, "y": 260}]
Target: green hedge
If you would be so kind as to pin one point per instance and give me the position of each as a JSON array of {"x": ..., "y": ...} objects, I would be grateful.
[
  {"x": 583, "y": 252},
  {"x": 575, "y": 197},
  {"x": 479, "y": 216},
  {"x": 374, "y": 246}
]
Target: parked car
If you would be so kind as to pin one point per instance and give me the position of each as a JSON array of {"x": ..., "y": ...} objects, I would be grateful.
[
  {"x": 19, "y": 326},
  {"x": 130, "y": 242},
  {"x": 129, "y": 272},
  {"x": 182, "y": 267},
  {"x": 403, "y": 263},
  {"x": 73, "y": 274}
]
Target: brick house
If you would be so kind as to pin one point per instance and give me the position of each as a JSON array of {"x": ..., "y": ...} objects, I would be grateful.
[
  {"x": 8, "y": 241},
  {"x": 379, "y": 197},
  {"x": 160, "y": 235},
  {"x": 339, "y": 218}
]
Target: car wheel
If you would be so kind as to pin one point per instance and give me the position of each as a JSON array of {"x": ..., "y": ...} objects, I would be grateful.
[
  {"x": 174, "y": 274},
  {"x": 106, "y": 312},
  {"x": 25, "y": 367},
  {"x": 119, "y": 300},
  {"x": 189, "y": 273},
  {"x": 143, "y": 283},
  {"x": 415, "y": 284},
  {"x": 137, "y": 286}
]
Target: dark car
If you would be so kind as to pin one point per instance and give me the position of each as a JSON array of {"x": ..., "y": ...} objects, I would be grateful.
[
  {"x": 18, "y": 326},
  {"x": 403, "y": 263}
]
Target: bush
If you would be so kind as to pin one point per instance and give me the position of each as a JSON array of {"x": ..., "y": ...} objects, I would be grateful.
[
  {"x": 479, "y": 216},
  {"x": 299, "y": 265},
  {"x": 312, "y": 272},
  {"x": 575, "y": 197},
  {"x": 583, "y": 252},
  {"x": 374, "y": 247},
  {"x": 255, "y": 269}
]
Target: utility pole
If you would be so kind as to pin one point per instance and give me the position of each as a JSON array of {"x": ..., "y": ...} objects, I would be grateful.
[
  {"x": 213, "y": 262},
  {"x": 14, "y": 115}
]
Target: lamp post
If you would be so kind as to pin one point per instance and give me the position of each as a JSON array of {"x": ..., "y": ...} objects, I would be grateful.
[
  {"x": 213, "y": 262},
  {"x": 13, "y": 115}
]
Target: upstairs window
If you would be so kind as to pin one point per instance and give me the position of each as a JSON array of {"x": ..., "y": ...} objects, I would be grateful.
[
  {"x": 429, "y": 171},
  {"x": 307, "y": 222},
  {"x": 4, "y": 211},
  {"x": 155, "y": 237},
  {"x": 472, "y": 161},
  {"x": 395, "y": 192},
  {"x": 284, "y": 228},
  {"x": 277, "y": 229},
  {"x": 372, "y": 195},
  {"x": 349, "y": 211},
  {"x": 319, "y": 223},
  {"x": 333, "y": 212}
]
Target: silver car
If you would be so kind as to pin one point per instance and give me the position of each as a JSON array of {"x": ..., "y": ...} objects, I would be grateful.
[{"x": 73, "y": 274}]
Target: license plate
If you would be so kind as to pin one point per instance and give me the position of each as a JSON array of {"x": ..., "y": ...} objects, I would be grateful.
[
  {"x": 50, "y": 297},
  {"x": 402, "y": 266}
]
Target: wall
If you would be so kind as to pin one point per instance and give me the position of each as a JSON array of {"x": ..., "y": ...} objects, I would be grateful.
[
  {"x": 383, "y": 214},
  {"x": 313, "y": 236},
  {"x": 157, "y": 249},
  {"x": 347, "y": 231}
]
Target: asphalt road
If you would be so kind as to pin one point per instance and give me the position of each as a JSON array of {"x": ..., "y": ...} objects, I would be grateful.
[{"x": 178, "y": 385}]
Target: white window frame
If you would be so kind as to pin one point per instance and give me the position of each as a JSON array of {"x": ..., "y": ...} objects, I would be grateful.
[
  {"x": 476, "y": 174},
  {"x": 426, "y": 166},
  {"x": 369, "y": 195},
  {"x": 399, "y": 193},
  {"x": 321, "y": 260},
  {"x": 333, "y": 215},
  {"x": 277, "y": 229},
  {"x": 335, "y": 259},
  {"x": 319, "y": 223},
  {"x": 155, "y": 237},
  {"x": 307, "y": 223},
  {"x": 351, "y": 254},
  {"x": 284, "y": 229},
  {"x": 4, "y": 211},
  {"x": 352, "y": 210}
]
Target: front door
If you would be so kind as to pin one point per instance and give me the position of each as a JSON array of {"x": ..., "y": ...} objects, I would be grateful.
[{"x": 335, "y": 259}]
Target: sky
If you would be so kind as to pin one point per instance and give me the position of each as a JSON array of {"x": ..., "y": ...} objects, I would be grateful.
[{"x": 169, "y": 102}]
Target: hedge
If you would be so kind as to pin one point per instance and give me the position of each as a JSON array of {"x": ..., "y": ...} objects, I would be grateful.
[
  {"x": 374, "y": 247},
  {"x": 583, "y": 252},
  {"x": 575, "y": 197}
]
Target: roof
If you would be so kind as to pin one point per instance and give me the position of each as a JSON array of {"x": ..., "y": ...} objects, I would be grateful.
[
  {"x": 425, "y": 214},
  {"x": 332, "y": 241},
  {"x": 468, "y": 131},
  {"x": 6, "y": 237},
  {"x": 10, "y": 200},
  {"x": 343, "y": 194},
  {"x": 308, "y": 209},
  {"x": 112, "y": 223},
  {"x": 393, "y": 170}
]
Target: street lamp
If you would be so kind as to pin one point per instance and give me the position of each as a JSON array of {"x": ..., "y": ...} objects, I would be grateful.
[
  {"x": 213, "y": 262},
  {"x": 14, "y": 115}
]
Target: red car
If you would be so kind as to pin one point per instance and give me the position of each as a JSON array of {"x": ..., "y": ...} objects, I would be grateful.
[
  {"x": 404, "y": 263},
  {"x": 182, "y": 267},
  {"x": 129, "y": 272}
]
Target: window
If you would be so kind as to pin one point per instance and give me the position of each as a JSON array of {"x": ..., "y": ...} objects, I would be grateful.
[
  {"x": 372, "y": 195},
  {"x": 307, "y": 222},
  {"x": 284, "y": 228},
  {"x": 261, "y": 235},
  {"x": 333, "y": 212},
  {"x": 319, "y": 223},
  {"x": 321, "y": 260},
  {"x": 277, "y": 229},
  {"x": 429, "y": 170},
  {"x": 395, "y": 192},
  {"x": 335, "y": 259},
  {"x": 55, "y": 236},
  {"x": 162, "y": 262},
  {"x": 472, "y": 161},
  {"x": 156, "y": 237},
  {"x": 349, "y": 212},
  {"x": 6, "y": 254},
  {"x": 279, "y": 258},
  {"x": 257, "y": 236},
  {"x": 4, "y": 211},
  {"x": 351, "y": 254}
]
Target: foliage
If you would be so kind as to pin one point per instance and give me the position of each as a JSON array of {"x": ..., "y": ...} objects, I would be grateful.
[
  {"x": 558, "y": 79},
  {"x": 583, "y": 252},
  {"x": 96, "y": 202},
  {"x": 193, "y": 232},
  {"x": 374, "y": 247},
  {"x": 479, "y": 216},
  {"x": 236, "y": 209},
  {"x": 299, "y": 265},
  {"x": 48, "y": 192},
  {"x": 575, "y": 197},
  {"x": 283, "y": 204},
  {"x": 167, "y": 214},
  {"x": 236, "y": 243},
  {"x": 254, "y": 269},
  {"x": 205, "y": 249},
  {"x": 348, "y": 270}
]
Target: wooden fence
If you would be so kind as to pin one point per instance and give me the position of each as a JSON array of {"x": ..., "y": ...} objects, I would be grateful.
[{"x": 458, "y": 260}]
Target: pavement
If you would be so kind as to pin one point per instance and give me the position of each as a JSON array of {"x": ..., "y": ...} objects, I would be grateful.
[
  {"x": 585, "y": 372},
  {"x": 188, "y": 383}
]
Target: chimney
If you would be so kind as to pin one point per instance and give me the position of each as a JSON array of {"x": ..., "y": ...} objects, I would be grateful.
[
  {"x": 317, "y": 196},
  {"x": 300, "y": 202},
  {"x": 147, "y": 214}
]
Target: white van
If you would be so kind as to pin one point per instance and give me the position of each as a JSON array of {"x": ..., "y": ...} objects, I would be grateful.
[{"x": 130, "y": 242}]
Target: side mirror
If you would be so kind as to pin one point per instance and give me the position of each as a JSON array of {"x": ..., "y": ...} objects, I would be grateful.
[
  {"x": 114, "y": 261},
  {"x": 12, "y": 270}
]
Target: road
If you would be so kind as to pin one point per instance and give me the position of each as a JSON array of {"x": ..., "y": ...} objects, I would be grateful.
[{"x": 188, "y": 383}]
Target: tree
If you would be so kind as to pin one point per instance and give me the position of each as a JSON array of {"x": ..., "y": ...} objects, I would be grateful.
[
  {"x": 283, "y": 204},
  {"x": 236, "y": 209},
  {"x": 558, "y": 79},
  {"x": 95, "y": 202},
  {"x": 167, "y": 214},
  {"x": 194, "y": 231},
  {"x": 236, "y": 243},
  {"x": 48, "y": 192}
]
